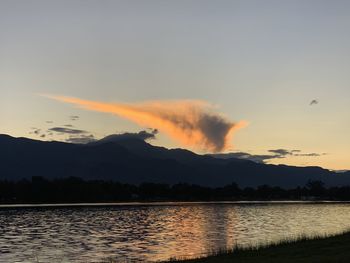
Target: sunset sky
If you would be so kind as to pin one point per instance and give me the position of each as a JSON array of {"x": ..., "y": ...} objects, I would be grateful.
[{"x": 253, "y": 67}]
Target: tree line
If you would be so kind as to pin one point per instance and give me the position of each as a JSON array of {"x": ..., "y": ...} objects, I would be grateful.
[{"x": 73, "y": 189}]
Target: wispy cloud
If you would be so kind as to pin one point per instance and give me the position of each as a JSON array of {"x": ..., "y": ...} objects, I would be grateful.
[
  {"x": 193, "y": 123},
  {"x": 258, "y": 158},
  {"x": 281, "y": 152},
  {"x": 263, "y": 158},
  {"x": 67, "y": 130},
  {"x": 81, "y": 139}
]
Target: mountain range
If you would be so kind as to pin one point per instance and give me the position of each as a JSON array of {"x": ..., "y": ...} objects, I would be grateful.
[{"x": 134, "y": 161}]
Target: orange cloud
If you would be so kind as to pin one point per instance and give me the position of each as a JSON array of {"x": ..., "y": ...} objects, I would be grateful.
[{"x": 193, "y": 123}]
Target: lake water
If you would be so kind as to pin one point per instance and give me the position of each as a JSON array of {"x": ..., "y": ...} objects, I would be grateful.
[{"x": 151, "y": 232}]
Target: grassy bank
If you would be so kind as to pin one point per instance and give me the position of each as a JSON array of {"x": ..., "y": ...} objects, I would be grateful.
[{"x": 330, "y": 249}]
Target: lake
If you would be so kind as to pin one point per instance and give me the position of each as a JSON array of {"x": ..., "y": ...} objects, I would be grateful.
[{"x": 151, "y": 232}]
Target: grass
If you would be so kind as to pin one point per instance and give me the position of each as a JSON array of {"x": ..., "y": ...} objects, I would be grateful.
[{"x": 318, "y": 249}]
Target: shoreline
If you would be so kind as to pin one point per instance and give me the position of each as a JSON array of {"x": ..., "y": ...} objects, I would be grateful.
[
  {"x": 333, "y": 248},
  {"x": 165, "y": 203}
]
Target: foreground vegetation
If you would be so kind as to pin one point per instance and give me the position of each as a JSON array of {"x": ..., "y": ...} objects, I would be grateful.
[
  {"x": 317, "y": 250},
  {"x": 72, "y": 189}
]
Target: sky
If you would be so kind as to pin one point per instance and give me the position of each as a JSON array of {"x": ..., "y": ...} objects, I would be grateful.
[{"x": 257, "y": 63}]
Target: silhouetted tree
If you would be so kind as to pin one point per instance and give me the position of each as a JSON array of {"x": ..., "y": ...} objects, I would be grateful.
[
  {"x": 74, "y": 189},
  {"x": 316, "y": 188}
]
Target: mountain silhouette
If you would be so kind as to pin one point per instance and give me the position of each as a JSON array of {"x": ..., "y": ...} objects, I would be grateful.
[{"x": 134, "y": 161}]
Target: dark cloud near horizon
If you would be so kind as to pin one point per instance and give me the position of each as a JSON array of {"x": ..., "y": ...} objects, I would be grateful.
[
  {"x": 275, "y": 154},
  {"x": 247, "y": 156},
  {"x": 88, "y": 138},
  {"x": 282, "y": 152},
  {"x": 81, "y": 139},
  {"x": 142, "y": 135},
  {"x": 67, "y": 130},
  {"x": 68, "y": 125},
  {"x": 310, "y": 154}
]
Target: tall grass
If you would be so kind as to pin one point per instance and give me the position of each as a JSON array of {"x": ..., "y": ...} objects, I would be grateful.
[{"x": 238, "y": 249}]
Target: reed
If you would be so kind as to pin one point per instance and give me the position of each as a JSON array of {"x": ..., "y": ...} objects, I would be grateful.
[{"x": 321, "y": 248}]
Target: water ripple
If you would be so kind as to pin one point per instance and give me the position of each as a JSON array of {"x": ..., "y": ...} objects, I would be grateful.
[{"x": 156, "y": 232}]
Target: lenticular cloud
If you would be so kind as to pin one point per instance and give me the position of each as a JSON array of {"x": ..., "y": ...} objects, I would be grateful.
[{"x": 192, "y": 123}]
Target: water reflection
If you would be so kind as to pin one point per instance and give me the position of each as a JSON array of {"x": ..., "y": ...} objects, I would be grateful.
[{"x": 150, "y": 233}]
